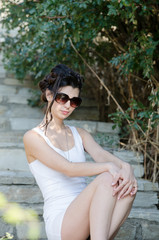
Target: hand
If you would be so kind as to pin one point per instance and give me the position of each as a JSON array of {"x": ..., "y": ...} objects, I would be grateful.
[
  {"x": 113, "y": 169},
  {"x": 127, "y": 183}
]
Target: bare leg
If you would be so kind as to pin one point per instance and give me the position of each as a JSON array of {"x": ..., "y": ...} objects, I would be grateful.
[
  {"x": 94, "y": 209},
  {"x": 121, "y": 212},
  {"x": 101, "y": 211}
]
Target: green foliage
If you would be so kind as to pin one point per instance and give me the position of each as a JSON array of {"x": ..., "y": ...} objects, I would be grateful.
[
  {"x": 7, "y": 236},
  {"x": 145, "y": 118},
  {"x": 118, "y": 38},
  {"x": 43, "y": 29}
]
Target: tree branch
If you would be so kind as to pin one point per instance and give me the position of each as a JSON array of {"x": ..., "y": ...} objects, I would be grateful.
[{"x": 54, "y": 17}]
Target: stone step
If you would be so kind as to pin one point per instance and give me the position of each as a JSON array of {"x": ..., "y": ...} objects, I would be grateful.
[
  {"x": 20, "y": 111},
  {"x": 12, "y": 157},
  {"x": 26, "y": 178},
  {"x": 11, "y": 139},
  {"x": 2, "y": 72},
  {"x": 18, "y": 124},
  {"x": 11, "y": 81},
  {"x": 15, "y": 94},
  {"x": 129, "y": 156},
  {"x": 138, "y": 168},
  {"x": 21, "y": 187},
  {"x": 29, "y": 194},
  {"x": 150, "y": 214},
  {"x": 133, "y": 228}
]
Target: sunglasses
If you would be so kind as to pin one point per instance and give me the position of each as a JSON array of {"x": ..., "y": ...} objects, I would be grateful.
[{"x": 63, "y": 98}]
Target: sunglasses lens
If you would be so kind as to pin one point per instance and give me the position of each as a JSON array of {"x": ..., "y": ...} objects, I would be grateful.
[
  {"x": 75, "y": 102},
  {"x": 61, "y": 98}
]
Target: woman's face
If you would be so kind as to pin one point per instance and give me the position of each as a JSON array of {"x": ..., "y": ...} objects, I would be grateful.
[{"x": 62, "y": 111}]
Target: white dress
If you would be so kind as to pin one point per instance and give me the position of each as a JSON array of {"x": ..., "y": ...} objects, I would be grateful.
[{"x": 57, "y": 189}]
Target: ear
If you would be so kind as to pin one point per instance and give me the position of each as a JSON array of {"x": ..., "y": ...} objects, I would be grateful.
[{"x": 49, "y": 95}]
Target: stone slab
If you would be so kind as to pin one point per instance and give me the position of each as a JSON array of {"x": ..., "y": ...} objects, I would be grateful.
[
  {"x": 90, "y": 126},
  {"x": 11, "y": 139},
  {"x": 24, "y": 123},
  {"x": 4, "y": 124},
  {"x": 5, "y": 228},
  {"x": 146, "y": 199},
  {"x": 13, "y": 159},
  {"x": 19, "y": 111},
  {"x": 38, "y": 208},
  {"x": 16, "y": 82},
  {"x": 7, "y": 90},
  {"x": 16, "y": 177},
  {"x": 149, "y": 214},
  {"x": 15, "y": 94},
  {"x": 22, "y": 231},
  {"x": 138, "y": 169},
  {"x": 3, "y": 109},
  {"x": 11, "y": 136},
  {"x": 107, "y": 139},
  {"x": 2, "y": 72},
  {"x": 82, "y": 113},
  {"x": 22, "y": 194},
  {"x": 150, "y": 231},
  {"x": 126, "y": 232},
  {"x": 106, "y": 128},
  {"x": 129, "y": 156},
  {"x": 145, "y": 185}
]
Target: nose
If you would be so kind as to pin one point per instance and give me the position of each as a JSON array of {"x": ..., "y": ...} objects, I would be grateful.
[{"x": 67, "y": 104}]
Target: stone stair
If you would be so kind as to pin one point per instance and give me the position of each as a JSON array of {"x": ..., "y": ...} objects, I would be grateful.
[{"x": 17, "y": 183}]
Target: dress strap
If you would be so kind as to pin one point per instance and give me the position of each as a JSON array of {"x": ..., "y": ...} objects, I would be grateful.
[{"x": 77, "y": 137}]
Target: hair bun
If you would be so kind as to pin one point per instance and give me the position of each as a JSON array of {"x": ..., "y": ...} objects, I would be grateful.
[{"x": 47, "y": 82}]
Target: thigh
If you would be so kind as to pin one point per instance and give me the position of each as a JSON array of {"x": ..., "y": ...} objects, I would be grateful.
[{"x": 76, "y": 219}]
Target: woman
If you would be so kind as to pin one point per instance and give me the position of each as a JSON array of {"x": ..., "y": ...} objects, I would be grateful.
[{"x": 55, "y": 153}]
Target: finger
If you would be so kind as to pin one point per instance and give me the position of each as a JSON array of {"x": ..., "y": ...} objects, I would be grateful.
[
  {"x": 120, "y": 187},
  {"x": 115, "y": 179},
  {"x": 134, "y": 190},
  {"x": 129, "y": 190},
  {"x": 123, "y": 191}
]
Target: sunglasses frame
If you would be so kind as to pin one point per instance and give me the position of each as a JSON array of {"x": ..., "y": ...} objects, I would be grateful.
[{"x": 72, "y": 102}]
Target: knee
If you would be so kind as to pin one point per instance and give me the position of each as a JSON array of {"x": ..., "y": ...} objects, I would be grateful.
[{"x": 104, "y": 179}]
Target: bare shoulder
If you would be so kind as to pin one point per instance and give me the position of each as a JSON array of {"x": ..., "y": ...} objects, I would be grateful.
[
  {"x": 83, "y": 133},
  {"x": 30, "y": 136}
]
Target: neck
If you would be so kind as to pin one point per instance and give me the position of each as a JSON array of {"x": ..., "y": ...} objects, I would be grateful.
[{"x": 54, "y": 124}]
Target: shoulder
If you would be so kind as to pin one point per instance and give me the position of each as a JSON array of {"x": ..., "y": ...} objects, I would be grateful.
[
  {"x": 83, "y": 133},
  {"x": 30, "y": 136}
]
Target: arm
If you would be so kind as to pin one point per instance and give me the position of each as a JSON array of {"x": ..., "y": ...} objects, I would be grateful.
[
  {"x": 96, "y": 151},
  {"x": 37, "y": 148},
  {"x": 125, "y": 177}
]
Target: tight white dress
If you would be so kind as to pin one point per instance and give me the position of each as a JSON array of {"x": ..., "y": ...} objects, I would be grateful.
[{"x": 57, "y": 189}]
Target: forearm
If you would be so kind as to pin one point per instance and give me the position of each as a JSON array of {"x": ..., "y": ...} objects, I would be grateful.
[
  {"x": 105, "y": 156},
  {"x": 86, "y": 169}
]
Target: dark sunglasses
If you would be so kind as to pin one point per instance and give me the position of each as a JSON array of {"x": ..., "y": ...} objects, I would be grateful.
[{"x": 63, "y": 98}]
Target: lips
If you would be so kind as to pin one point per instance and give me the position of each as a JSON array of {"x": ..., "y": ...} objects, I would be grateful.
[{"x": 65, "y": 112}]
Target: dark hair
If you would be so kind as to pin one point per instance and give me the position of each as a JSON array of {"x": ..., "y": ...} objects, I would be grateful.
[{"x": 60, "y": 76}]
